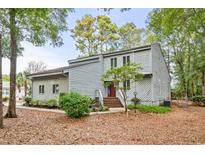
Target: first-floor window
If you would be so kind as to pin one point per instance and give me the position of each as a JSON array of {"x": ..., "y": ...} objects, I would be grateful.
[
  {"x": 55, "y": 89},
  {"x": 41, "y": 89},
  {"x": 126, "y": 85}
]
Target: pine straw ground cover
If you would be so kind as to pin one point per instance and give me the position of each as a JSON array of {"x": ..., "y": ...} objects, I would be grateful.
[{"x": 181, "y": 126}]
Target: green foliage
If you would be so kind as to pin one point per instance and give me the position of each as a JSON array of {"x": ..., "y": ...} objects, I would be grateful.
[
  {"x": 107, "y": 35},
  {"x": 129, "y": 71},
  {"x": 95, "y": 35},
  {"x": 5, "y": 99},
  {"x": 27, "y": 100},
  {"x": 181, "y": 34},
  {"x": 84, "y": 34},
  {"x": 198, "y": 98},
  {"x": 130, "y": 36},
  {"x": 104, "y": 108},
  {"x": 35, "y": 102},
  {"x": 52, "y": 103},
  {"x": 135, "y": 100},
  {"x": 123, "y": 73},
  {"x": 6, "y": 77},
  {"x": 150, "y": 108},
  {"x": 75, "y": 105}
]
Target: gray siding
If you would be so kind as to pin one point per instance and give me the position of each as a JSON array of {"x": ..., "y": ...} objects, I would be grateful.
[
  {"x": 86, "y": 78},
  {"x": 161, "y": 79},
  {"x": 143, "y": 58},
  {"x": 48, "y": 87}
]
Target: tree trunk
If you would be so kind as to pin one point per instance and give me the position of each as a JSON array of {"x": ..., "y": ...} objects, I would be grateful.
[
  {"x": 25, "y": 88},
  {"x": 125, "y": 99},
  {"x": 11, "y": 113},
  {"x": 1, "y": 103},
  {"x": 203, "y": 83}
]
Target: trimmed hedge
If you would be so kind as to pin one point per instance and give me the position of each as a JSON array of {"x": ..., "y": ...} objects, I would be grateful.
[
  {"x": 75, "y": 105},
  {"x": 52, "y": 103},
  {"x": 150, "y": 108}
]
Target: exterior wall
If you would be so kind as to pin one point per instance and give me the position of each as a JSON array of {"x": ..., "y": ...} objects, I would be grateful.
[
  {"x": 143, "y": 89},
  {"x": 48, "y": 87},
  {"x": 141, "y": 57},
  {"x": 161, "y": 79},
  {"x": 144, "y": 58},
  {"x": 86, "y": 78}
]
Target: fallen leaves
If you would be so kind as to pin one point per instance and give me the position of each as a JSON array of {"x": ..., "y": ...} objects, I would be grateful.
[{"x": 181, "y": 126}]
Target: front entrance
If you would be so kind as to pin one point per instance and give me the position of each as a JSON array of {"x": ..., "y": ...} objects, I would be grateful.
[{"x": 111, "y": 90}]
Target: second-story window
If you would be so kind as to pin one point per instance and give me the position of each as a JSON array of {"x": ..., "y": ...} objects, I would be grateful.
[
  {"x": 126, "y": 85},
  {"x": 113, "y": 62},
  {"x": 126, "y": 60}
]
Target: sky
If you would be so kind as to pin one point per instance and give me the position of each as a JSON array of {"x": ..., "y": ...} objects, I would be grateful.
[{"x": 58, "y": 57}]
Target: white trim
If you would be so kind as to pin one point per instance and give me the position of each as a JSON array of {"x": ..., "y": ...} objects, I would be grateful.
[{"x": 46, "y": 74}]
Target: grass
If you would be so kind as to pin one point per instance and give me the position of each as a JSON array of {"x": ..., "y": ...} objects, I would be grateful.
[{"x": 150, "y": 108}]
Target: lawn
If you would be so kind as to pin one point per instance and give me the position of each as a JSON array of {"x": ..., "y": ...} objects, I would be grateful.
[{"x": 181, "y": 126}]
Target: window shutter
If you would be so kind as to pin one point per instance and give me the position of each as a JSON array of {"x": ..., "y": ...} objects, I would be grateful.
[
  {"x": 43, "y": 89},
  {"x": 115, "y": 62},
  {"x": 124, "y": 60},
  {"x": 111, "y": 62},
  {"x": 40, "y": 89},
  {"x": 128, "y": 59}
]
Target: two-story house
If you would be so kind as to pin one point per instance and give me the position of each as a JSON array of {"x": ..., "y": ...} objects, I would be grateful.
[{"x": 84, "y": 75}]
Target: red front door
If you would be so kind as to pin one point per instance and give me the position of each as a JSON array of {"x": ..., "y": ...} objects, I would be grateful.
[{"x": 112, "y": 91}]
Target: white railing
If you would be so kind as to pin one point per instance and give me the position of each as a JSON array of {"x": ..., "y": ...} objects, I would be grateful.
[
  {"x": 100, "y": 97},
  {"x": 121, "y": 97}
]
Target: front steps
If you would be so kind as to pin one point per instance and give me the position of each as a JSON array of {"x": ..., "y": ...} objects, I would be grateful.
[{"x": 112, "y": 102}]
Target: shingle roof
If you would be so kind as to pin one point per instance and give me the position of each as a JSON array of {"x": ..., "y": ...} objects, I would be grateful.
[
  {"x": 61, "y": 69},
  {"x": 50, "y": 71}
]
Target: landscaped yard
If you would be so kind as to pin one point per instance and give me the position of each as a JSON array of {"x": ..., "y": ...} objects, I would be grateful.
[{"x": 181, "y": 126}]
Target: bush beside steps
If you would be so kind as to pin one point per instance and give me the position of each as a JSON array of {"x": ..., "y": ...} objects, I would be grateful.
[
  {"x": 75, "y": 105},
  {"x": 149, "y": 108}
]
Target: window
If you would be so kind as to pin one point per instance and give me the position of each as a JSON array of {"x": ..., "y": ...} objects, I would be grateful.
[
  {"x": 113, "y": 62},
  {"x": 126, "y": 60},
  {"x": 41, "y": 89},
  {"x": 126, "y": 85},
  {"x": 55, "y": 89}
]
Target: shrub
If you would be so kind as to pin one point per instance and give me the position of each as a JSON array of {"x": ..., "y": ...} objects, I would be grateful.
[
  {"x": 150, "y": 108},
  {"x": 35, "y": 102},
  {"x": 5, "y": 99},
  {"x": 27, "y": 100},
  {"x": 135, "y": 100},
  {"x": 199, "y": 100},
  {"x": 104, "y": 108},
  {"x": 52, "y": 103},
  {"x": 74, "y": 104}
]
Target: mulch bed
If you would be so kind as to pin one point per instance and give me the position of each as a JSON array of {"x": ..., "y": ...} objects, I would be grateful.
[{"x": 181, "y": 126}]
